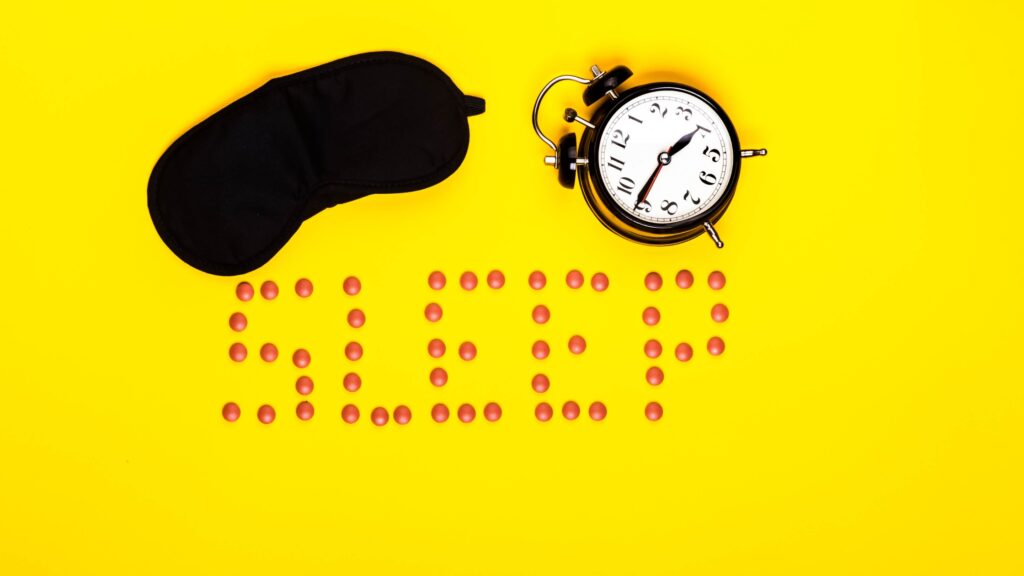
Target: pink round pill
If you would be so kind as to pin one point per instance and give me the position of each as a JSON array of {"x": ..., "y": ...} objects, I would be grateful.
[
  {"x": 468, "y": 281},
  {"x": 574, "y": 279},
  {"x": 716, "y": 280},
  {"x": 435, "y": 348},
  {"x": 684, "y": 352},
  {"x": 356, "y": 318},
  {"x": 492, "y": 412},
  {"x": 438, "y": 377},
  {"x": 467, "y": 413},
  {"x": 301, "y": 358},
  {"x": 655, "y": 376},
  {"x": 433, "y": 312},
  {"x": 266, "y": 414},
  {"x": 540, "y": 383},
  {"x": 541, "y": 349},
  {"x": 231, "y": 411},
  {"x": 352, "y": 286},
  {"x": 541, "y": 314},
  {"x": 598, "y": 411},
  {"x": 653, "y": 411},
  {"x": 268, "y": 352},
  {"x": 652, "y": 348},
  {"x": 653, "y": 281},
  {"x": 467, "y": 351},
  {"x": 269, "y": 290},
  {"x": 353, "y": 351},
  {"x": 303, "y": 288},
  {"x": 651, "y": 316},
  {"x": 577, "y": 344},
  {"x": 304, "y": 385},
  {"x": 237, "y": 352},
  {"x": 304, "y": 410},
  {"x": 719, "y": 313},
  {"x": 684, "y": 279},
  {"x": 379, "y": 416},
  {"x": 244, "y": 291},
  {"x": 716, "y": 346},
  {"x": 352, "y": 382},
  {"x": 543, "y": 412},
  {"x": 237, "y": 322},
  {"x": 599, "y": 282},
  {"x": 436, "y": 280},
  {"x": 350, "y": 414},
  {"x": 571, "y": 410},
  {"x": 402, "y": 415},
  {"x": 495, "y": 279},
  {"x": 537, "y": 280},
  {"x": 439, "y": 413}
]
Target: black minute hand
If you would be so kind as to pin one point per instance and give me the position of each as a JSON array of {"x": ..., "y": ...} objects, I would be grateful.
[{"x": 682, "y": 142}]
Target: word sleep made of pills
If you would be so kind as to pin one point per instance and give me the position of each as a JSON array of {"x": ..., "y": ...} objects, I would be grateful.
[{"x": 467, "y": 351}]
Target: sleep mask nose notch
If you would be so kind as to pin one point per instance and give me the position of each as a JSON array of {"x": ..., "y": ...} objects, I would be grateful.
[{"x": 230, "y": 192}]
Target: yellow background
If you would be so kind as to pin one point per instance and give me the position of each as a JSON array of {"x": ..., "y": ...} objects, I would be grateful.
[{"x": 866, "y": 416}]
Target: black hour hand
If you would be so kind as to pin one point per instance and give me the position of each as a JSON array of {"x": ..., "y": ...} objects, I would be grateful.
[{"x": 682, "y": 142}]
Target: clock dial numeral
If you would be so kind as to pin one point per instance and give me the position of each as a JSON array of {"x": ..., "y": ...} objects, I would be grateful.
[
  {"x": 713, "y": 153},
  {"x": 701, "y": 128},
  {"x": 635, "y": 119},
  {"x": 626, "y": 185},
  {"x": 691, "y": 198},
  {"x": 644, "y": 206},
  {"x": 686, "y": 113},
  {"x": 614, "y": 162},
  {"x": 657, "y": 110},
  {"x": 670, "y": 207},
  {"x": 707, "y": 178},
  {"x": 620, "y": 139}
]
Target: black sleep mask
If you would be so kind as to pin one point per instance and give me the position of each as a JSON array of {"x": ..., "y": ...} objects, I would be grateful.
[{"x": 230, "y": 192}]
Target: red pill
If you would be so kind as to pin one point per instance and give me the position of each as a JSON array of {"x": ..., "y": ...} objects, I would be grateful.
[
  {"x": 653, "y": 281},
  {"x": 574, "y": 279},
  {"x": 244, "y": 291},
  {"x": 540, "y": 383},
  {"x": 301, "y": 358},
  {"x": 402, "y": 415},
  {"x": 599, "y": 282},
  {"x": 352, "y": 286},
  {"x": 651, "y": 316},
  {"x": 438, "y": 377},
  {"x": 379, "y": 416},
  {"x": 684, "y": 279},
  {"x": 577, "y": 344},
  {"x": 266, "y": 414},
  {"x": 439, "y": 413},
  {"x": 466, "y": 413},
  {"x": 492, "y": 412},
  {"x": 238, "y": 322},
  {"x": 433, "y": 312},
  {"x": 598, "y": 411},
  {"x": 541, "y": 349},
  {"x": 304, "y": 385},
  {"x": 716, "y": 280},
  {"x": 352, "y": 382},
  {"x": 237, "y": 352},
  {"x": 269, "y": 290},
  {"x": 571, "y": 410},
  {"x": 541, "y": 314},
  {"x": 495, "y": 279},
  {"x": 303, "y": 288},
  {"x": 716, "y": 346},
  {"x": 353, "y": 351},
  {"x": 719, "y": 313},
  {"x": 231, "y": 411},
  {"x": 435, "y": 348},
  {"x": 543, "y": 412},
  {"x": 356, "y": 318},
  {"x": 655, "y": 376},
  {"x": 467, "y": 281},
  {"x": 684, "y": 352},
  {"x": 350, "y": 414},
  {"x": 653, "y": 411},
  {"x": 652, "y": 348},
  {"x": 436, "y": 280},
  {"x": 467, "y": 351},
  {"x": 268, "y": 352},
  {"x": 304, "y": 410},
  {"x": 537, "y": 280}
]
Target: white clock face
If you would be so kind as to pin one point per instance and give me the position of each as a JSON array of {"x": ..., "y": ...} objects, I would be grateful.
[{"x": 665, "y": 156}]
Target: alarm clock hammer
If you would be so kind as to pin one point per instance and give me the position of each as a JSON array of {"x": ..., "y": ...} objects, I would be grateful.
[{"x": 633, "y": 136}]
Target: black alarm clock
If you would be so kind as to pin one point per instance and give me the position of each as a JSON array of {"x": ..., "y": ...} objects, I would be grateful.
[{"x": 658, "y": 163}]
